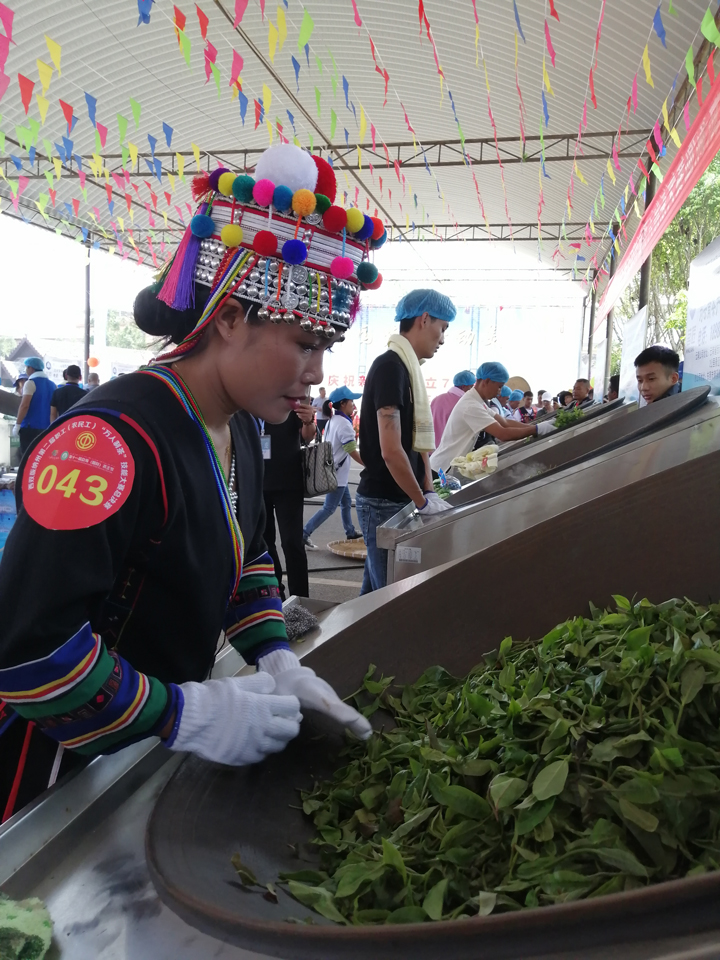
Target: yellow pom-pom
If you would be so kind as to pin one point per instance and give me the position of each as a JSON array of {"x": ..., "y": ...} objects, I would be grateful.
[
  {"x": 231, "y": 235},
  {"x": 304, "y": 202},
  {"x": 355, "y": 219},
  {"x": 225, "y": 184}
]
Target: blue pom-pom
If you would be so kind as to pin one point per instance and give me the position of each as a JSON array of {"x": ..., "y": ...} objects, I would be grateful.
[
  {"x": 367, "y": 272},
  {"x": 366, "y": 230},
  {"x": 202, "y": 226},
  {"x": 294, "y": 251},
  {"x": 242, "y": 188},
  {"x": 282, "y": 198},
  {"x": 376, "y": 244}
]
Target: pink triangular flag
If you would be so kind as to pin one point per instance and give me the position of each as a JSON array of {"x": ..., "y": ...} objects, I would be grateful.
[
  {"x": 22, "y": 185},
  {"x": 82, "y": 175},
  {"x": 237, "y": 65},
  {"x": 4, "y": 50},
  {"x": 240, "y": 8},
  {"x": 103, "y": 133},
  {"x": 551, "y": 49},
  {"x": 4, "y": 84},
  {"x": 634, "y": 94},
  {"x": 6, "y": 17}
]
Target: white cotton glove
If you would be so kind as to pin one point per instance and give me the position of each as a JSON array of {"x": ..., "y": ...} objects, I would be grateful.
[
  {"x": 433, "y": 504},
  {"x": 16, "y": 429},
  {"x": 313, "y": 693},
  {"x": 544, "y": 428},
  {"x": 236, "y": 720}
]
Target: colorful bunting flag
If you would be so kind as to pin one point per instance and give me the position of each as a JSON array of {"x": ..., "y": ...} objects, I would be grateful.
[
  {"x": 281, "y": 28},
  {"x": 26, "y": 91},
  {"x": 306, "y": 28},
  {"x": 658, "y": 25},
  {"x": 55, "y": 51},
  {"x": 43, "y": 105},
  {"x": 296, "y": 68},
  {"x": 45, "y": 72},
  {"x": 646, "y": 65},
  {"x": 240, "y": 8},
  {"x": 273, "y": 37},
  {"x": 203, "y": 18}
]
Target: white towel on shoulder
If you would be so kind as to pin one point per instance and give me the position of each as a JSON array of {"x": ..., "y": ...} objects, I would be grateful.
[{"x": 423, "y": 429}]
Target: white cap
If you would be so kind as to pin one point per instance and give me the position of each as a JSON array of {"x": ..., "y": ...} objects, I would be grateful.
[{"x": 546, "y": 397}]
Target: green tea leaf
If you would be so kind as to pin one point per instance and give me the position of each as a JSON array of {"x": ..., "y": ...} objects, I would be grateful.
[
  {"x": 710, "y": 658},
  {"x": 433, "y": 902},
  {"x": 407, "y": 915},
  {"x": 531, "y": 817},
  {"x": 458, "y": 798},
  {"x": 246, "y": 875},
  {"x": 644, "y": 819},
  {"x": 505, "y": 790},
  {"x": 621, "y": 859},
  {"x": 393, "y": 858},
  {"x": 692, "y": 680},
  {"x": 486, "y": 902},
  {"x": 354, "y": 875},
  {"x": 317, "y": 898},
  {"x": 550, "y": 782}
]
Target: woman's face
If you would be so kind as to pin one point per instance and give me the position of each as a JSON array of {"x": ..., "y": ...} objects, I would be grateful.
[
  {"x": 348, "y": 408},
  {"x": 266, "y": 368}
]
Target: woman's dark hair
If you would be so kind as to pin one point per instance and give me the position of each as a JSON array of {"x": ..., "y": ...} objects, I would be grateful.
[
  {"x": 159, "y": 320},
  {"x": 562, "y": 397},
  {"x": 327, "y": 409}
]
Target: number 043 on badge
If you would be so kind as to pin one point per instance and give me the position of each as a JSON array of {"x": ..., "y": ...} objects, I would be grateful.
[{"x": 78, "y": 475}]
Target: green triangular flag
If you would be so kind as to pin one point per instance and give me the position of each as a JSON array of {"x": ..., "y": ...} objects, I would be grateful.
[
  {"x": 83, "y": 191},
  {"x": 22, "y": 135},
  {"x": 58, "y": 230},
  {"x": 185, "y": 44},
  {"x": 312, "y": 145},
  {"x": 49, "y": 177},
  {"x": 216, "y": 76},
  {"x": 125, "y": 157},
  {"x": 602, "y": 199},
  {"x": 42, "y": 201},
  {"x": 333, "y": 124},
  {"x": 333, "y": 80},
  {"x": 48, "y": 148},
  {"x": 708, "y": 28},
  {"x": 122, "y": 127},
  {"x": 318, "y": 63},
  {"x": 690, "y": 66},
  {"x": 34, "y": 129},
  {"x": 306, "y": 28},
  {"x": 317, "y": 100},
  {"x": 672, "y": 10},
  {"x": 136, "y": 108},
  {"x": 2, "y": 142}
]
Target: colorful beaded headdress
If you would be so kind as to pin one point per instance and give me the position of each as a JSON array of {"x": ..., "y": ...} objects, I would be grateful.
[{"x": 276, "y": 239}]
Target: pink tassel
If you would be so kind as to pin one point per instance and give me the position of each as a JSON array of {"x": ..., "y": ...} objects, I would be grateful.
[{"x": 169, "y": 288}]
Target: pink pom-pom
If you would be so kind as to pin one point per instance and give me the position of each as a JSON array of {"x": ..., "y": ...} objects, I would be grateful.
[
  {"x": 342, "y": 268},
  {"x": 263, "y": 192}
]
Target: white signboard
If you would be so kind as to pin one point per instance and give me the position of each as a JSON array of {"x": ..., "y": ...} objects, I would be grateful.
[
  {"x": 598, "y": 377},
  {"x": 634, "y": 335},
  {"x": 702, "y": 336}
]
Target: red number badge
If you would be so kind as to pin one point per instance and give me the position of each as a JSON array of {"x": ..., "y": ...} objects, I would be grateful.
[{"x": 78, "y": 475}]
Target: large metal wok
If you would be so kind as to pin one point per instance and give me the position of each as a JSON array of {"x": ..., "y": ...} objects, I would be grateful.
[{"x": 656, "y": 537}]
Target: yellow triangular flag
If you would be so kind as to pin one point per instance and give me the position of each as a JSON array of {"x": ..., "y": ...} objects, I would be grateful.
[
  {"x": 359, "y": 158},
  {"x": 626, "y": 192},
  {"x": 592, "y": 225},
  {"x": 363, "y": 124},
  {"x": 165, "y": 218},
  {"x": 95, "y": 169},
  {"x": 196, "y": 152},
  {"x": 122, "y": 224},
  {"x": 171, "y": 178},
  {"x": 54, "y": 49},
  {"x": 132, "y": 220},
  {"x": 282, "y": 27},
  {"x": 45, "y": 71},
  {"x": 106, "y": 174},
  {"x": 133, "y": 155},
  {"x": 646, "y": 64},
  {"x": 637, "y": 211},
  {"x": 180, "y": 159},
  {"x": 58, "y": 167},
  {"x": 611, "y": 172},
  {"x": 617, "y": 246},
  {"x": 477, "y": 37},
  {"x": 235, "y": 90},
  {"x": 267, "y": 98},
  {"x": 675, "y": 137},
  {"x": 577, "y": 171},
  {"x": 43, "y": 105},
  {"x": 546, "y": 80},
  {"x": 666, "y": 119},
  {"x": 272, "y": 41}
]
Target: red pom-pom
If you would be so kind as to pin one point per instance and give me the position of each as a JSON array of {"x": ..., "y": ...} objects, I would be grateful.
[
  {"x": 335, "y": 219},
  {"x": 200, "y": 185},
  {"x": 265, "y": 243},
  {"x": 375, "y": 284},
  {"x": 326, "y": 182},
  {"x": 378, "y": 228}
]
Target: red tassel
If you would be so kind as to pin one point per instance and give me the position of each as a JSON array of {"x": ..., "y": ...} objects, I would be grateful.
[
  {"x": 169, "y": 288},
  {"x": 200, "y": 186}
]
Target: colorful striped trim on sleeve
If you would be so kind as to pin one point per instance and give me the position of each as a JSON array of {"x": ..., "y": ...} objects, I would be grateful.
[
  {"x": 255, "y": 616},
  {"x": 87, "y": 698}
]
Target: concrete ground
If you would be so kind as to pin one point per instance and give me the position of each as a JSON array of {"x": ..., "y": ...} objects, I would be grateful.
[{"x": 332, "y": 578}]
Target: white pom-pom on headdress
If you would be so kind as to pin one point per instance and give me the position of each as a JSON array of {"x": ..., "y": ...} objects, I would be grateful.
[{"x": 288, "y": 166}]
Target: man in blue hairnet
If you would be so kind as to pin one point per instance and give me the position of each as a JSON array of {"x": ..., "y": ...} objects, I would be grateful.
[
  {"x": 396, "y": 426},
  {"x": 33, "y": 414},
  {"x": 473, "y": 415},
  {"x": 443, "y": 404},
  {"x": 499, "y": 403}
]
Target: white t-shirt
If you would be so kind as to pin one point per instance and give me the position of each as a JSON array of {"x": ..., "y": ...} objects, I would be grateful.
[
  {"x": 318, "y": 405},
  {"x": 469, "y": 416},
  {"x": 338, "y": 432}
]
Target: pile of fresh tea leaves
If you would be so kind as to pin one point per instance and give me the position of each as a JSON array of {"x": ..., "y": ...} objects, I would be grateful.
[
  {"x": 568, "y": 418},
  {"x": 585, "y": 764}
]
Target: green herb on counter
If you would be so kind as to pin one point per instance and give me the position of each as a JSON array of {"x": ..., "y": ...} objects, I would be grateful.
[
  {"x": 568, "y": 418},
  {"x": 585, "y": 764}
]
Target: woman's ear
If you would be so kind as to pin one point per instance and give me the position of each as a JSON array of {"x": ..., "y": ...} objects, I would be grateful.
[{"x": 229, "y": 318}]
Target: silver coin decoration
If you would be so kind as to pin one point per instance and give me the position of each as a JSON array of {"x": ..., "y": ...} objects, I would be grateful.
[
  {"x": 314, "y": 219},
  {"x": 291, "y": 301},
  {"x": 299, "y": 274}
]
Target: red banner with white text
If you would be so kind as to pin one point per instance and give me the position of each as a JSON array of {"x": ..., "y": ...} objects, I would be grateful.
[{"x": 691, "y": 161}]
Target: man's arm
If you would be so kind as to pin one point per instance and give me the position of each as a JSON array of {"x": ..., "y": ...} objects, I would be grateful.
[
  {"x": 428, "y": 472},
  {"x": 395, "y": 457},
  {"x": 53, "y": 414},
  {"x": 24, "y": 407},
  {"x": 516, "y": 431}
]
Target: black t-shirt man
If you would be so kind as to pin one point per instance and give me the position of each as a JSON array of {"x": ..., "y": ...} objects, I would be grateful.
[
  {"x": 67, "y": 396},
  {"x": 283, "y": 471},
  {"x": 387, "y": 385}
]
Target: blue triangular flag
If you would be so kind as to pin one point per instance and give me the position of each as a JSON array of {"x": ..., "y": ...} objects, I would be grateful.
[
  {"x": 144, "y": 8},
  {"x": 580, "y": 258},
  {"x": 296, "y": 68},
  {"x": 168, "y": 131},
  {"x": 111, "y": 205},
  {"x": 91, "y": 105},
  {"x": 243, "y": 105},
  {"x": 84, "y": 233},
  {"x": 346, "y": 91},
  {"x": 545, "y": 109},
  {"x": 96, "y": 245},
  {"x": 352, "y": 105},
  {"x": 659, "y": 28},
  {"x": 72, "y": 123},
  {"x": 307, "y": 53},
  {"x": 152, "y": 141},
  {"x": 69, "y": 209},
  {"x": 61, "y": 152},
  {"x": 78, "y": 161},
  {"x": 622, "y": 204},
  {"x": 291, "y": 118},
  {"x": 17, "y": 161},
  {"x": 158, "y": 168},
  {"x": 517, "y": 21},
  {"x": 262, "y": 110},
  {"x": 150, "y": 167},
  {"x": 347, "y": 139},
  {"x": 68, "y": 144},
  {"x": 31, "y": 154}
]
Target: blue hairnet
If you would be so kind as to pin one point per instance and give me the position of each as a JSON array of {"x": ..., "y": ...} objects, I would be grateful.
[
  {"x": 493, "y": 371},
  {"x": 466, "y": 378},
  {"x": 506, "y": 391},
  {"x": 417, "y": 302},
  {"x": 517, "y": 395},
  {"x": 34, "y": 362}
]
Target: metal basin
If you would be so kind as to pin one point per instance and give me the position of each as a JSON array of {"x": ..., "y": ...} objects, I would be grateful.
[{"x": 640, "y": 540}]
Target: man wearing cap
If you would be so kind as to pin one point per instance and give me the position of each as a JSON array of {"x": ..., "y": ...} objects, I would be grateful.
[
  {"x": 443, "y": 404},
  {"x": 396, "y": 427},
  {"x": 33, "y": 414},
  {"x": 69, "y": 393},
  {"x": 473, "y": 415},
  {"x": 20, "y": 383}
]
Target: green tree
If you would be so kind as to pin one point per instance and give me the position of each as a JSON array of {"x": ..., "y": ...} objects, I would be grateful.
[
  {"x": 695, "y": 226},
  {"x": 121, "y": 331}
]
